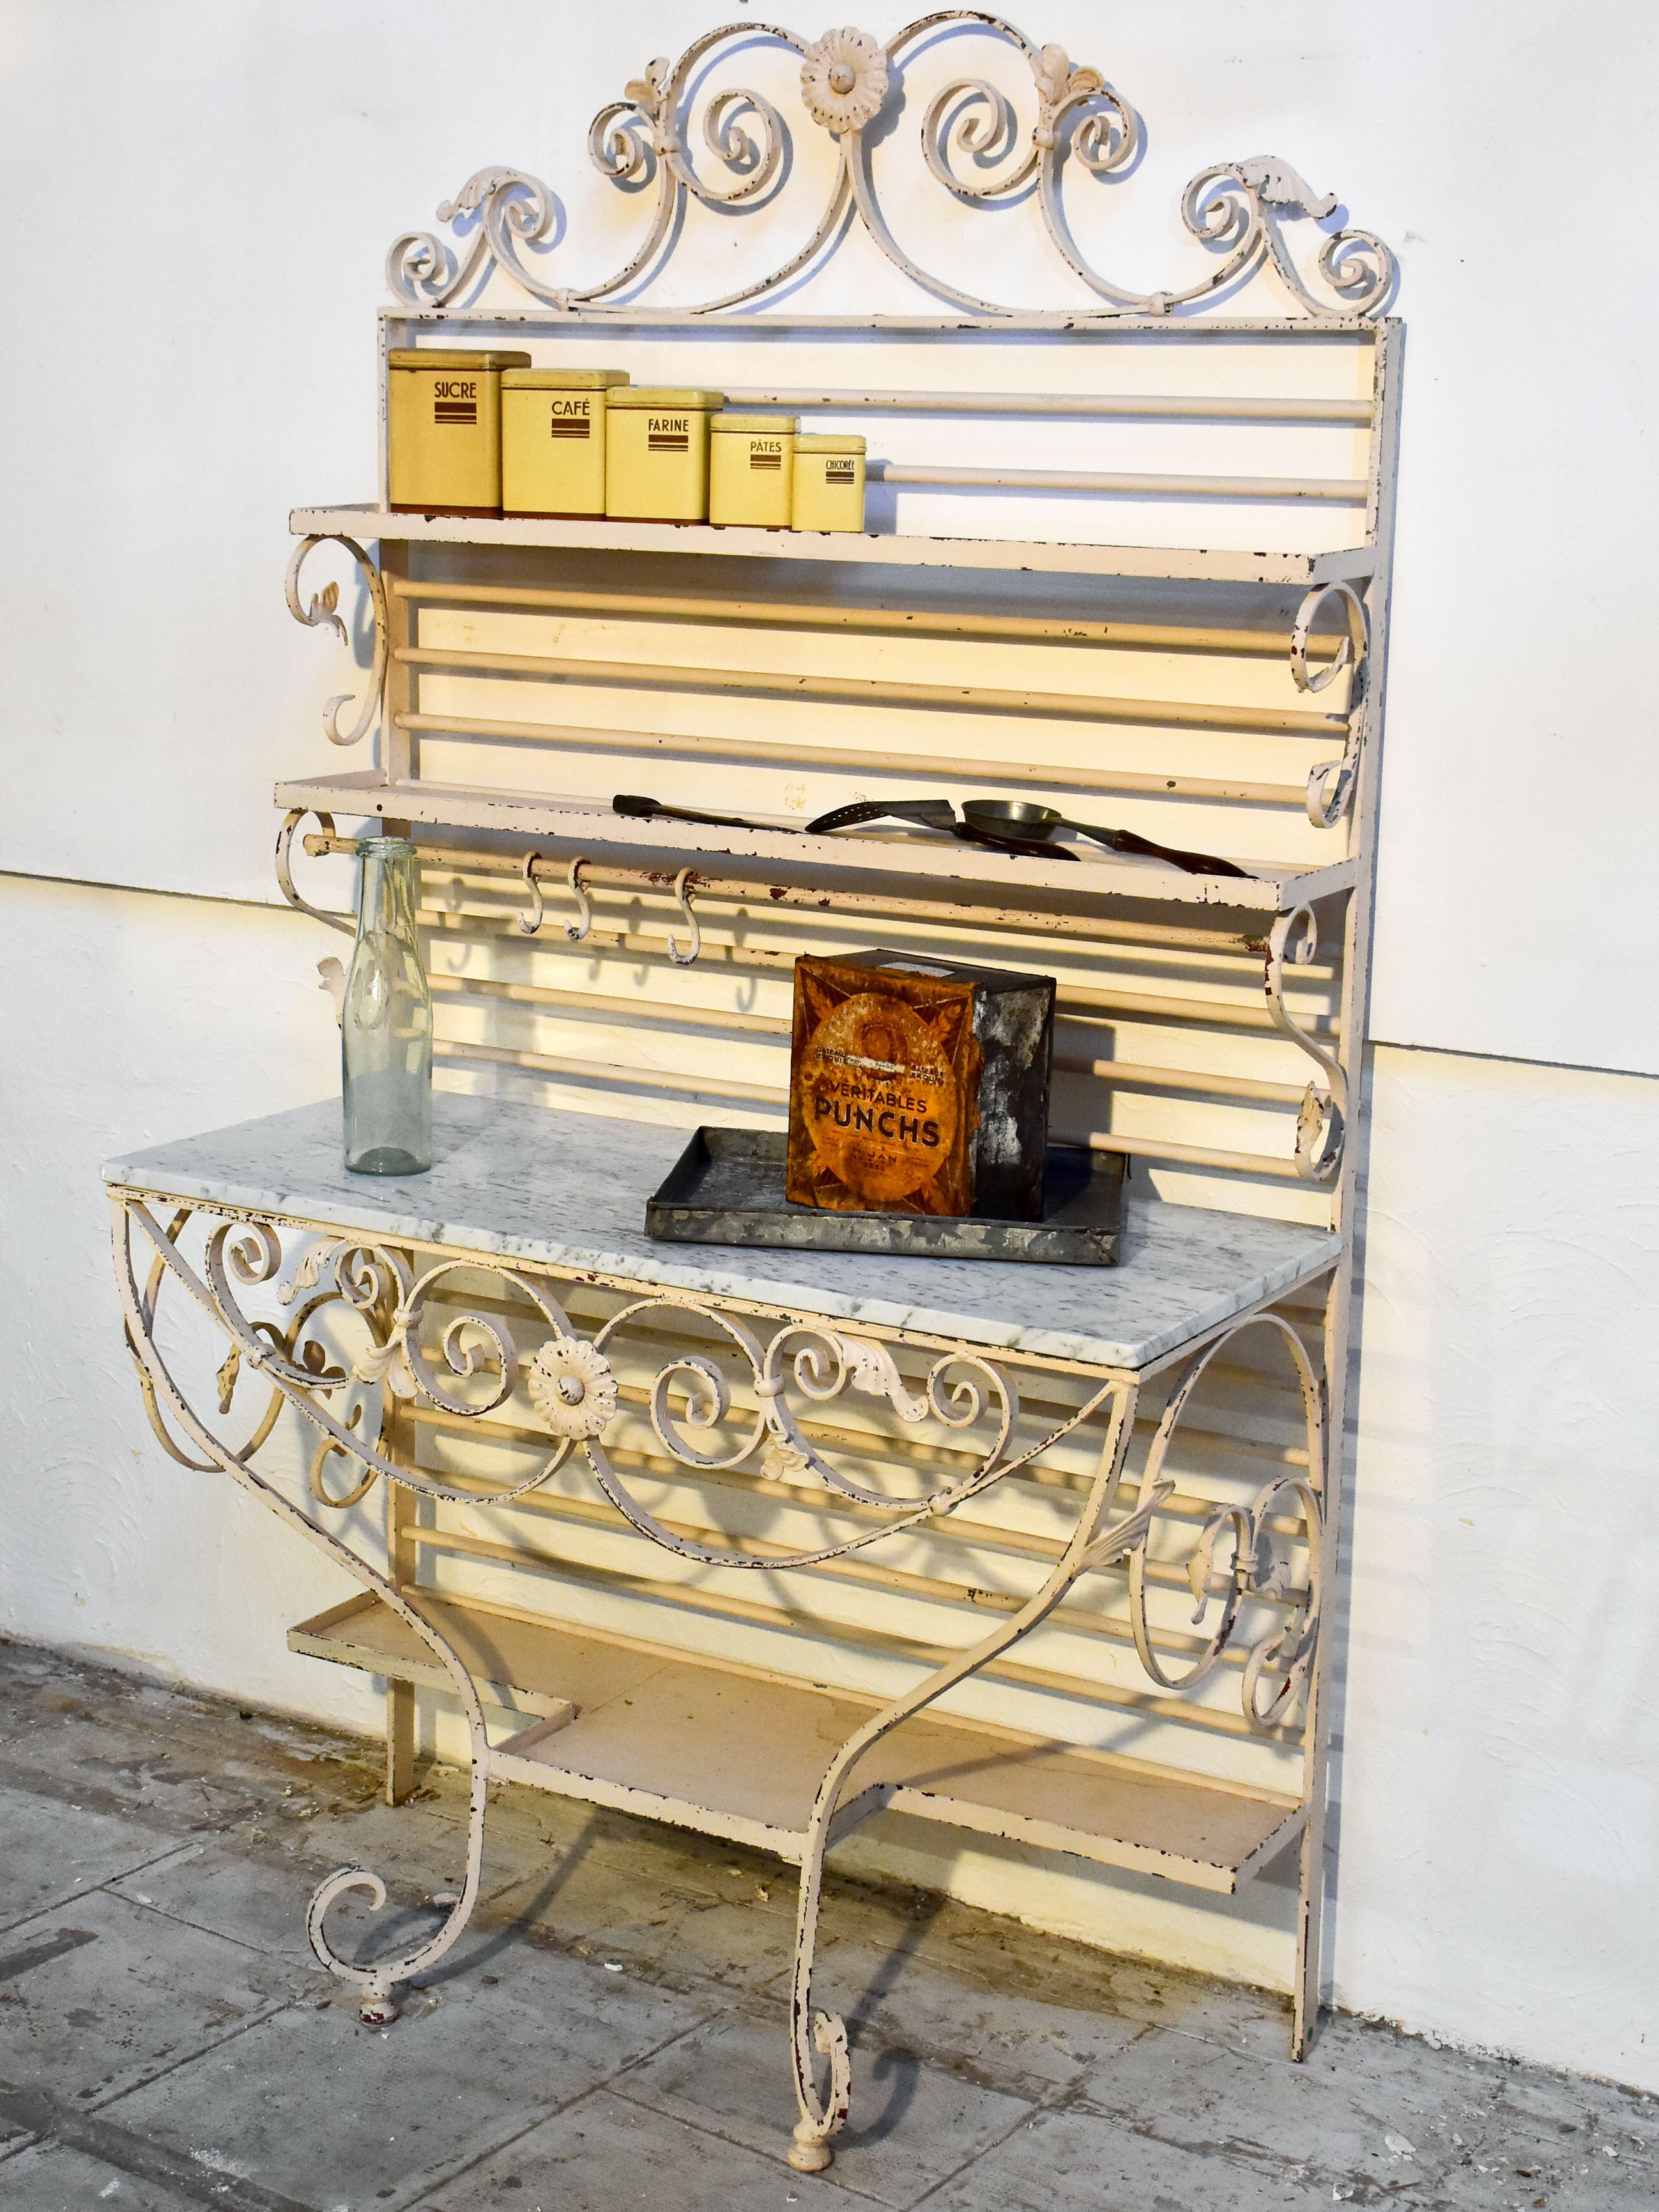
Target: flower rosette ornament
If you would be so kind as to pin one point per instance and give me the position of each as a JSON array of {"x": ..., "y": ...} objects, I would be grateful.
[
  {"x": 572, "y": 1387},
  {"x": 843, "y": 80}
]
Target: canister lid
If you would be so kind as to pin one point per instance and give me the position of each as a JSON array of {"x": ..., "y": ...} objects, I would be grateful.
[
  {"x": 778, "y": 425},
  {"x": 843, "y": 442},
  {"x": 647, "y": 395},
  {"x": 437, "y": 357},
  {"x": 563, "y": 379}
]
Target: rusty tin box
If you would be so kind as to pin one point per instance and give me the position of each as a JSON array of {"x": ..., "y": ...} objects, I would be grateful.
[{"x": 918, "y": 1086}]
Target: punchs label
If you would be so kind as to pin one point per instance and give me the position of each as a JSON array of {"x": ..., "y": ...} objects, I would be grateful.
[{"x": 918, "y": 1086}]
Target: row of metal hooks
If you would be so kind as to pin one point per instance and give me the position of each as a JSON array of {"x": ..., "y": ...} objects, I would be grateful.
[{"x": 531, "y": 921}]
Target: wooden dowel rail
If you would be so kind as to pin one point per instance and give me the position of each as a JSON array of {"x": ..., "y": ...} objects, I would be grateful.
[
  {"x": 625, "y": 1012},
  {"x": 817, "y": 1628},
  {"x": 558, "y": 1067},
  {"x": 884, "y": 761},
  {"x": 1186, "y": 407},
  {"x": 1118, "y": 1073},
  {"x": 789, "y": 614},
  {"x": 1351, "y": 491},
  {"x": 611, "y": 1071},
  {"x": 864, "y": 1572},
  {"x": 880, "y": 691}
]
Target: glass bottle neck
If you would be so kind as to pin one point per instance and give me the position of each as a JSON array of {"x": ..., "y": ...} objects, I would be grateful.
[{"x": 385, "y": 902}]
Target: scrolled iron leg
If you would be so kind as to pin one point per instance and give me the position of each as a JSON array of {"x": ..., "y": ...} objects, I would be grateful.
[
  {"x": 379, "y": 1980},
  {"x": 815, "y": 2033}
]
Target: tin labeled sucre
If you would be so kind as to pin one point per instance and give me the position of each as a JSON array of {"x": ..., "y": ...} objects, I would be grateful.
[
  {"x": 752, "y": 470},
  {"x": 657, "y": 453},
  {"x": 553, "y": 438},
  {"x": 828, "y": 486},
  {"x": 918, "y": 1086},
  {"x": 443, "y": 429}
]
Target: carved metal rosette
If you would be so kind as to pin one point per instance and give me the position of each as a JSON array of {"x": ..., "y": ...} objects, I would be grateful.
[{"x": 974, "y": 141}]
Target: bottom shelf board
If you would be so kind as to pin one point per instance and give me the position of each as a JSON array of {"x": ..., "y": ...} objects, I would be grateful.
[{"x": 677, "y": 1738}]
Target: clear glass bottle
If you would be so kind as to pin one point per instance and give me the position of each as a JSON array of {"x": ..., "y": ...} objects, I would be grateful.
[{"x": 385, "y": 1022}]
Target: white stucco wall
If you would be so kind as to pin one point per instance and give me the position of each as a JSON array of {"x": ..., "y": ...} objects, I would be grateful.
[{"x": 187, "y": 351}]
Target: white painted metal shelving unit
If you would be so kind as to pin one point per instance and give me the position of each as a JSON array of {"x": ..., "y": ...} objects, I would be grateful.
[{"x": 770, "y": 1543}]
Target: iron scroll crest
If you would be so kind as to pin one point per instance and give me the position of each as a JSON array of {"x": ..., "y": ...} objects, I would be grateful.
[{"x": 850, "y": 80}]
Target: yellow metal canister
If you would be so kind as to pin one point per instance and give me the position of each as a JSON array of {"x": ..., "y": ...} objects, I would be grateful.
[
  {"x": 443, "y": 429},
  {"x": 752, "y": 470},
  {"x": 656, "y": 459},
  {"x": 828, "y": 487},
  {"x": 553, "y": 425}
]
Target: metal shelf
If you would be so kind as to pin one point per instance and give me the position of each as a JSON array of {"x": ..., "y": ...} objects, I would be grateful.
[
  {"x": 716, "y": 1749},
  {"x": 591, "y": 826},
  {"x": 1191, "y": 564}
]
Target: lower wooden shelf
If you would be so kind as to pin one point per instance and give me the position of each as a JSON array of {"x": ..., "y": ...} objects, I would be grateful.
[{"x": 703, "y": 1746}]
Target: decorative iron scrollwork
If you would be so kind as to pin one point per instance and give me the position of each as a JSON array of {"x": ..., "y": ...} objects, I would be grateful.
[
  {"x": 1320, "y": 1124},
  {"x": 1330, "y": 786},
  {"x": 1284, "y": 1655},
  {"x": 849, "y": 79},
  {"x": 431, "y": 1336},
  {"x": 324, "y": 613}
]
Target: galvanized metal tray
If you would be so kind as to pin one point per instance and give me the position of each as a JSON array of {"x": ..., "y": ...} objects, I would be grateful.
[{"x": 727, "y": 1187}]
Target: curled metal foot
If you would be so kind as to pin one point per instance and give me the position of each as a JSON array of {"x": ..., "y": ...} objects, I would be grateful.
[
  {"x": 381, "y": 1981},
  {"x": 809, "y": 2151}
]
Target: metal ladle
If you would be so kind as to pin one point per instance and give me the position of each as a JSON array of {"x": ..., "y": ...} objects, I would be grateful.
[{"x": 1032, "y": 824}]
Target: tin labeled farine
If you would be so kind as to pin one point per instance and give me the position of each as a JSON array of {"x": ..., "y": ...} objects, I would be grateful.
[{"x": 657, "y": 453}]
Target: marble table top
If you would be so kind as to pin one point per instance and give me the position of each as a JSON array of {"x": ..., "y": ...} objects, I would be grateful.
[{"x": 568, "y": 1191}]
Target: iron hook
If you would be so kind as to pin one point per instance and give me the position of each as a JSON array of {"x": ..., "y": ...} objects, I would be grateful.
[
  {"x": 684, "y": 959},
  {"x": 531, "y": 921},
  {"x": 575, "y": 931}
]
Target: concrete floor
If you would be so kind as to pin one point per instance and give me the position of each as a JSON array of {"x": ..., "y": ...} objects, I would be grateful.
[{"x": 608, "y": 2033}]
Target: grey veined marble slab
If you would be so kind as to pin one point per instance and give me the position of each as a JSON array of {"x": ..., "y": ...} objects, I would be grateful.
[{"x": 568, "y": 1190}]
